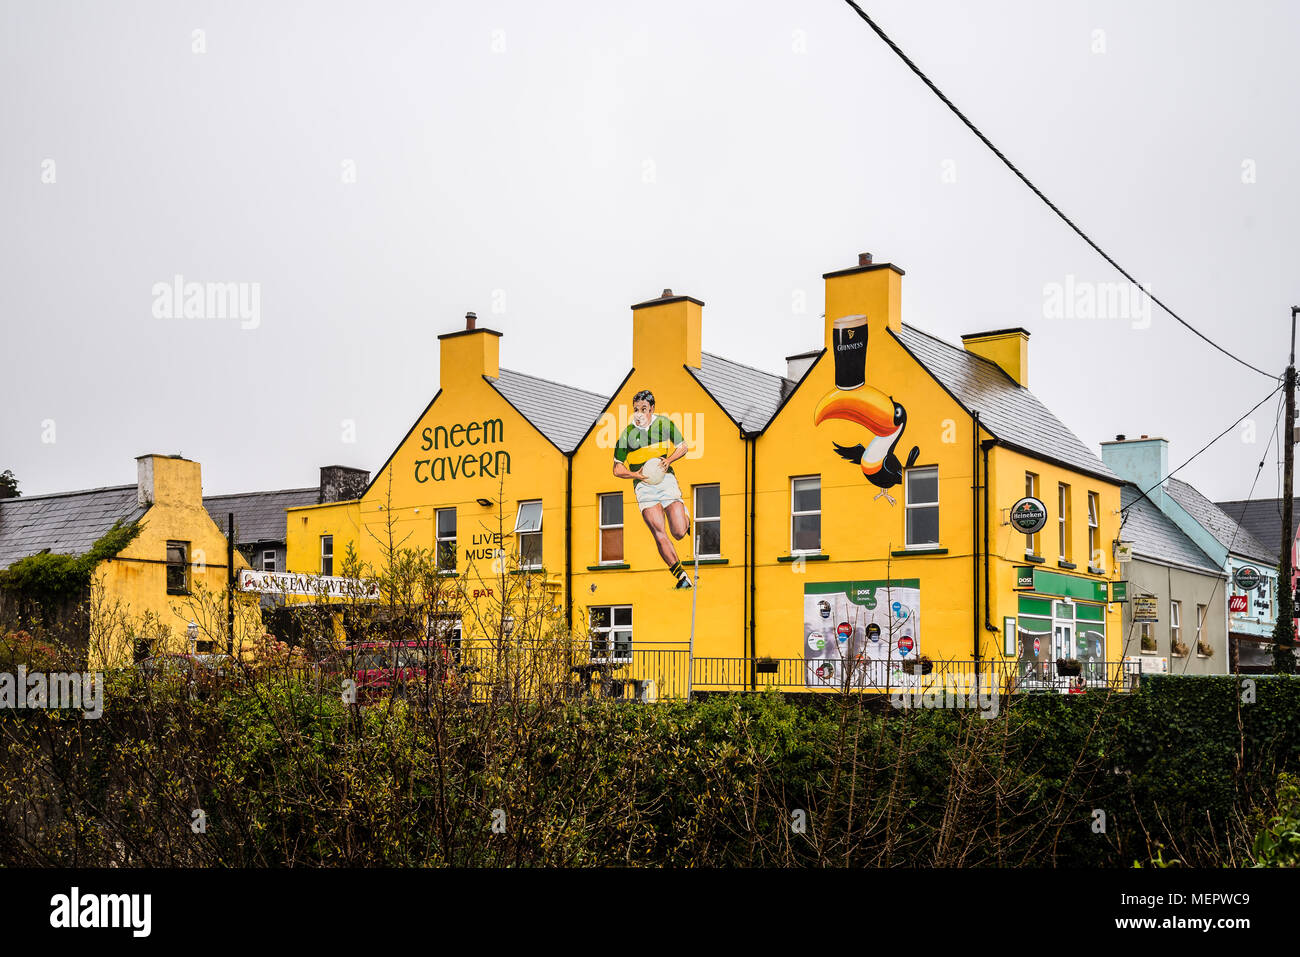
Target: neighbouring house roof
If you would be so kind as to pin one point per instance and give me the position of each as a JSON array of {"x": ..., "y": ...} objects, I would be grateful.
[
  {"x": 1155, "y": 536},
  {"x": 750, "y": 396},
  {"x": 259, "y": 516},
  {"x": 560, "y": 412},
  {"x": 1008, "y": 410},
  {"x": 1262, "y": 517},
  {"x": 1218, "y": 523},
  {"x": 66, "y": 523}
]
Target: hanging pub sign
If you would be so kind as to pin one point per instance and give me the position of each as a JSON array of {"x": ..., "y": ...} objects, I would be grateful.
[
  {"x": 1028, "y": 515},
  {"x": 1123, "y": 552},
  {"x": 293, "y": 583},
  {"x": 1247, "y": 577},
  {"x": 1119, "y": 591},
  {"x": 1146, "y": 608}
]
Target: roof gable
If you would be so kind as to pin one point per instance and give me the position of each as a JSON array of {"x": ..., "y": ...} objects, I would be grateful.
[
  {"x": 748, "y": 395},
  {"x": 562, "y": 413},
  {"x": 259, "y": 516},
  {"x": 1008, "y": 410},
  {"x": 1225, "y": 530},
  {"x": 1155, "y": 536}
]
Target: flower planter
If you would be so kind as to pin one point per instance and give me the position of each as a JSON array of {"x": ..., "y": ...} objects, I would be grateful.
[
  {"x": 920, "y": 666},
  {"x": 1068, "y": 667}
]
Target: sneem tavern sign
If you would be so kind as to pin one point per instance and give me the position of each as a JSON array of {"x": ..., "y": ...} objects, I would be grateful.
[
  {"x": 466, "y": 464},
  {"x": 1029, "y": 515}
]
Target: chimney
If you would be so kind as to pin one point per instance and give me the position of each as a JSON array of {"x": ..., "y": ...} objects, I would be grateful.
[
  {"x": 869, "y": 289},
  {"x": 1007, "y": 348},
  {"x": 168, "y": 480},
  {"x": 338, "y": 483},
  {"x": 666, "y": 332},
  {"x": 796, "y": 366},
  {"x": 1144, "y": 462},
  {"x": 469, "y": 354}
]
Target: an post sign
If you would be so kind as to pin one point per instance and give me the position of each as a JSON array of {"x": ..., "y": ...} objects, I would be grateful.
[
  {"x": 1028, "y": 515},
  {"x": 1119, "y": 591},
  {"x": 1024, "y": 576},
  {"x": 1247, "y": 577},
  {"x": 1146, "y": 608}
]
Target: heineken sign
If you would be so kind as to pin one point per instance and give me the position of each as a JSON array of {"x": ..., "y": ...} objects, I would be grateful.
[
  {"x": 1247, "y": 577},
  {"x": 1029, "y": 515}
]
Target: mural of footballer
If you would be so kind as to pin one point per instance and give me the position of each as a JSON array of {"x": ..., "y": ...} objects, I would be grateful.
[{"x": 645, "y": 453}]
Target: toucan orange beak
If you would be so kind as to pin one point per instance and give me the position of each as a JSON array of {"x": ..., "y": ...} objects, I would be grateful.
[{"x": 866, "y": 406}]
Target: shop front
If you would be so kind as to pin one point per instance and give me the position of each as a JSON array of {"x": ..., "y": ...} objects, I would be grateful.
[{"x": 1061, "y": 626}]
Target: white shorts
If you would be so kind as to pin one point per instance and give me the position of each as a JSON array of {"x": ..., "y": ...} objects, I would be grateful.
[{"x": 665, "y": 493}]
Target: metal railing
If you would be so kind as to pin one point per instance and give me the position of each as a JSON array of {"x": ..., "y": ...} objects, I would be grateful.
[{"x": 671, "y": 674}]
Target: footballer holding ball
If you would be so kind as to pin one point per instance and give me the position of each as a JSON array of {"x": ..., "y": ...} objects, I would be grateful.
[{"x": 645, "y": 453}]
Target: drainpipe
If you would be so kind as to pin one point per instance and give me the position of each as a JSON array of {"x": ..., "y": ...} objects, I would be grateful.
[
  {"x": 568, "y": 541},
  {"x": 752, "y": 494},
  {"x": 230, "y": 584},
  {"x": 988, "y": 620},
  {"x": 975, "y": 539}
]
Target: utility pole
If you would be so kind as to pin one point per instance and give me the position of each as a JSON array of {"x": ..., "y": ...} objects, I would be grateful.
[{"x": 1284, "y": 630}]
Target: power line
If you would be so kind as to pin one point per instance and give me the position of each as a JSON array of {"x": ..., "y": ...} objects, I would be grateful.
[
  {"x": 1039, "y": 193},
  {"x": 1211, "y": 442}
]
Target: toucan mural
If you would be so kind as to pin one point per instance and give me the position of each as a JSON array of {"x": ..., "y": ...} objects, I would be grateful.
[{"x": 854, "y": 401}]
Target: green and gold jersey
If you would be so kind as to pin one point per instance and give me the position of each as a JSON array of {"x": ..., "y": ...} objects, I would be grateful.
[{"x": 636, "y": 446}]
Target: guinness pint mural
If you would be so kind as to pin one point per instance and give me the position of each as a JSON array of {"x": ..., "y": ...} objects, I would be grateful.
[
  {"x": 869, "y": 627},
  {"x": 853, "y": 400}
]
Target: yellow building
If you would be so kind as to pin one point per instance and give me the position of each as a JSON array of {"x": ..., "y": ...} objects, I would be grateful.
[
  {"x": 838, "y": 522},
  {"x": 163, "y": 592}
]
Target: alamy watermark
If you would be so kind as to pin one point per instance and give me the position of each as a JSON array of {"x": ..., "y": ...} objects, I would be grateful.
[
  {"x": 960, "y": 690},
  {"x": 1084, "y": 299},
  {"x": 55, "y": 691},
  {"x": 179, "y": 299}
]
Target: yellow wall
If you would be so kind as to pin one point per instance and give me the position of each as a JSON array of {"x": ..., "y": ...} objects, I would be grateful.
[
  {"x": 133, "y": 584},
  {"x": 496, "y": 454},
  {"x": 666, "y": 339}
]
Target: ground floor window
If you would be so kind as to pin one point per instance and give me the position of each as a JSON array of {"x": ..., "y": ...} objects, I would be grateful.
[
  {"x": 611, "y": 633},
  {"x": 1051, "y": 630}
]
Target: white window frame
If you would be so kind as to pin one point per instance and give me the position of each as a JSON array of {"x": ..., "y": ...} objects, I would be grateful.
[
  {"x": 1062, "y": 520},
  {"x": 909, "y": 505},
  {"x": 602, "y": 528},
  {"x": 439, "y": 540},
  {"x": 324, "y": 539},
  {"x": 274, "y": 563},
  {"x": 701, "y": 520},
  {"x": 611, "y": 647},
  {"x": 1202, "y": 612},
  {"x": 1094, "y": 527},
  {"x": 527, "y": 531},
  {"x": 794, "y": 513},
  {"x": 1031, "y": 538},
  {"x": 1175, "y": 623},
  {"x": 448, "y": 630}
]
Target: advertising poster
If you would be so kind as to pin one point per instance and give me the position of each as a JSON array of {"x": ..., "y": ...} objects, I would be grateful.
[{"x": 860, "y": 632}]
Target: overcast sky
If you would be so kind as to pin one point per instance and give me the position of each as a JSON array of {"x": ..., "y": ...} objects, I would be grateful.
[{"x": 548, "y": 165}]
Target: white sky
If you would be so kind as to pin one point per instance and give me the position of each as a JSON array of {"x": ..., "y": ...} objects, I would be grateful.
[{"x": 784, "y": 139}]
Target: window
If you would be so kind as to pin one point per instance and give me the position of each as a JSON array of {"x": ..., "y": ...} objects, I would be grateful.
[
  {"x": 528, "y": 534},
  {"x": 611, "y": 527},
  {"x": 1148, "y": 635},
  {"x": 922, "y": 507},
  {"x": 1175, "y": 627},
  {"x": 445, "y": 631},
  {"x": 446, "y": 539},
  {"x": 268, "y": 560},
  {"x": 1201, "y": 612},
  {"x": 708, "y": 521},
  {"x": 1031, "y": 491},
  {"x": 327, "y": 554},
  {"x": 178, "y": 568},
  {"x": 806, "y": 514},
  {"x": 611, "y": 633},
  {"x": 1063, "y": 520},
  {"x": 1095, "y": 557}
]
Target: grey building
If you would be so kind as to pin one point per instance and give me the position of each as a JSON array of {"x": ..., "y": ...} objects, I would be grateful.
[{"x": 1191, "y": 636}]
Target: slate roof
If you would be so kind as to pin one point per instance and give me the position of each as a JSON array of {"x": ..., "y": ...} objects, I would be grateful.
[
  {"x": 1154, "y": 534},
  {"x": 560, "y": 412},
  {"x": 1218, "y": 523},
  {"x": 66, "y": 523},
  {"x": 750, "y": 396},
  {"x": 1262, "y": 517},
  {"x": 1012, "y": 413},
  {"x": 259, "y": 516}
]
